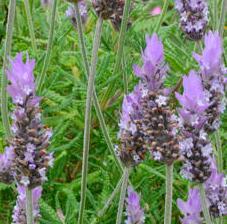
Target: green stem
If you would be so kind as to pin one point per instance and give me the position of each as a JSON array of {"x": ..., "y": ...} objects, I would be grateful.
[
  {"x": 30, "y": 25},
  {"x": 8, "y": 44},
  {"x": 29, "y": 209},
  {"x": 164, "y": 10},
  {"x": 205, "y": 208},
  {"x": 95, "y": 98},
  {"x": 111, "y": 198},
  {"x": 215, "y": 14},
  {"x": 219, "y": 151},
  {"x": 87, "y": 128},
  {"x": 121, "y": 41},
  {"x": 222, "y": 19},
  {"x": 169, "y": 194},
  {"x": 49, "y": 48},
  {"x": 125, "y": 78},
  {"x": 122, "y": 196}
]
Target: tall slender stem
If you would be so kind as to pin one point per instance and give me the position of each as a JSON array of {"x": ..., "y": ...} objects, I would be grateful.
[
  {"x": 164, "y": 10},
  {"x": 8, "y": 44},
  {"x": 95, "y": 98},
  {"x": 87, "y": 127},
  {"x": 206, "y": 212},
  {"x": 222, "y": 19},
  {"x": 30, "y": 25},
  {"x": 169, "y": 194},
  {"x": 111, "y": 198},
  {"x": 215, "y": 9},
  {"x": 122, "y": 196},
  {"x": 121, "y": 41},
  {"x": 49, "y": 47},
  {"x": 219, "y": 151},
  {"x": 29, "y": 208}
]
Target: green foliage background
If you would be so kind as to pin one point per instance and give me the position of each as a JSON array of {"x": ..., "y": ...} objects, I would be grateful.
[{"x": 63, "y": 110}]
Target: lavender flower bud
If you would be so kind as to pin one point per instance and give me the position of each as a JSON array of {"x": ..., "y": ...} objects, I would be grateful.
[
  {"x": 216, "y": 191},
  {"x": 158, "y": 121},
  {"x": 131, "y": 150},
  {"x": 191, "y": 209},
  {"x": 135, "y": 215},
  {"x": 30, "y": 138},
  {"x": 194, "y": 146},
  {"x": 71, "y": 13},
  {"x": 193, "y": 17},
  {"x": 212, "y": 72},
  {"x": 19, "y": 212},
  {"x": 6, "y": 160}
]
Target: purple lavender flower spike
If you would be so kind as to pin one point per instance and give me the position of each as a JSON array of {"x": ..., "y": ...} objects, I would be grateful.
[
  {"x": 158, "y": 123},
  {"x": 6, "y": 160},
  {"x": 135, "y": 215},
  {"x": 194, "y": 145},
  {"x": 154, "y": 69},
  {"x": 131, "y": 150},
  {"x": 19, "y": 212},
  {"x": 71, "y": 13},
  {"x": 191, "y": 209},
  {"x": 212, "y": 72},
  {"x": 193, "y": 17},
  {"x": 216, "y": 191},
  {"x": 30, "y": 138}
]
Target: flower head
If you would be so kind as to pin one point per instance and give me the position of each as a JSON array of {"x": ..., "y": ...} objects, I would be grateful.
[
  {"x": 193, "y": 17},
  {"x": 30, "y": 138},
  {"x": 135, "y": 215}
]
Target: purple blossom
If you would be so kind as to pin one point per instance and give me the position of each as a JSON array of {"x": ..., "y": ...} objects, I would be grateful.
[
  {"x": 191, "y": 208},
  {"x": 212, "y": 72},
  {"x": 135, "y": 214},
  {"x": 194, "y": 101},
  {"x": 71, "y": 13},
  {"x": 195, "y": 147},
  {"x": 216, "y": 191},
  {"x": 154, "y": 69},
  {"x": 19, "y": 212},
  {"x": 22, "y": 82},
  {"x": 6, "y": 160},
  {"x": 30, "y": 138},
  {"x": 131, "y": 150}
]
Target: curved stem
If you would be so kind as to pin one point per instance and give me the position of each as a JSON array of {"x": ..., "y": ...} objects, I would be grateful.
[
  {"x": 30, "y": 25},
  {"x": 222, "y": 19},
  {"x": 49, "y": 48},
  {"x": 87, "y": 127},
  {"x": 219, "y": 151},
  {"x": 29, "y": 209},
  {"x": 95, "y": 98},
  {"x": 206, "y": 212},
  {"x": 164, "y": 10},
  {"x": 169, "y": 194},
  {"x": 122, "y": 196},
  {"x": 111, "y": 198},
  {"x": 121, "y": 41},
  {"x": 8, "y": 44}
]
